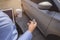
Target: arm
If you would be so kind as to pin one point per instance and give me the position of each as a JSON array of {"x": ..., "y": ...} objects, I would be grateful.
[
  {"x": 6, "y": 27},
  {"x": 28, "y": 34}
]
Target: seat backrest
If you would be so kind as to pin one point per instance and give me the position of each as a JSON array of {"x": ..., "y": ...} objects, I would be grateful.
[
  {"x": 57, "y": 2},
  {"x": 54, "y": 7}
]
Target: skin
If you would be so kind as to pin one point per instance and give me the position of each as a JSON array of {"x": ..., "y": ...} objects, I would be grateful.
[{"x": 32, "y": 25}]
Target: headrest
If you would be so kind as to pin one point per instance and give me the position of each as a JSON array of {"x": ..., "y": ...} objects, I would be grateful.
[{"x": 45, "y": 5}]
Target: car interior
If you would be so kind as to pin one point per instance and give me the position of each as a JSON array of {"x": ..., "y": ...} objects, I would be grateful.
[
  {"x": 53, "y": 8},
  {"x": 45, "y": 12},
  {"x": 48, "y": 19}
]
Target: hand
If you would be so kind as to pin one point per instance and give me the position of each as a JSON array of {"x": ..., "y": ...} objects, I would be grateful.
[{"x": 32, "y": 25}]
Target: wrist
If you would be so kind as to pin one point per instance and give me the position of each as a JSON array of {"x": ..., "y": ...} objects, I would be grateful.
[{"x": 30, "y": 31}]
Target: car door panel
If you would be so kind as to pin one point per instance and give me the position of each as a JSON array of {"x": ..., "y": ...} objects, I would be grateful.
[{"x": 41, "y": 17}]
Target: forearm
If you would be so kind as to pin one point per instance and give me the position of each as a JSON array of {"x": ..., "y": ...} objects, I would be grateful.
[{"x": 26, "y": 36}]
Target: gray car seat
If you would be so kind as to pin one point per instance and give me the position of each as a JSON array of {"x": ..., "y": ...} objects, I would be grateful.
[{"x": 53, "y": 8}]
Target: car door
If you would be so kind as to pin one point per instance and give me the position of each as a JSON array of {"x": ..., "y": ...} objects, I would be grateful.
[{"x": 41, "y": 16}]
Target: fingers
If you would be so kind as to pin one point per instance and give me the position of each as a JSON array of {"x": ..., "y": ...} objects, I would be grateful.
[
  {"x": 32, "y": 22},
  {"x": 28, "y": 24},
  {"x": 32, "y": 25},
  {"x": 35, "y": 24}
]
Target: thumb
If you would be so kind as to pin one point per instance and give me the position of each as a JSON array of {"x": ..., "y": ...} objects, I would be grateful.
[{"x": 28, "y": 24}]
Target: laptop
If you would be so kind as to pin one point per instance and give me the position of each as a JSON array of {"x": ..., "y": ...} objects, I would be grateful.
[{"x": 9, "y": 12}]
